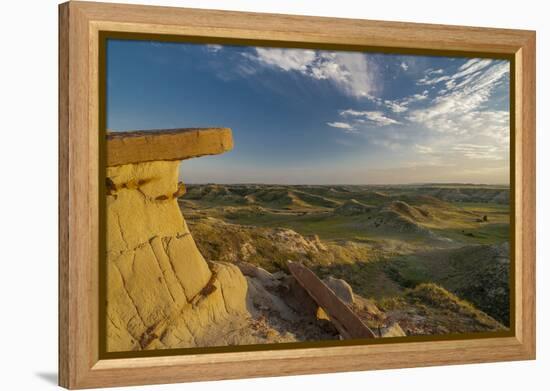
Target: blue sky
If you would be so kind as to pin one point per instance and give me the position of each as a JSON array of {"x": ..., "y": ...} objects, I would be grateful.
[{"x": 304, "y": 116}]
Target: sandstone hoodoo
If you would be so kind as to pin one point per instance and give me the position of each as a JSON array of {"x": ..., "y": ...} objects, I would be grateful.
[{"x": 161, "y": 291}]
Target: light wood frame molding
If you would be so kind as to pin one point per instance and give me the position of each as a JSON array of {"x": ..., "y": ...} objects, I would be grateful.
[{"x": 80, "y": 24}]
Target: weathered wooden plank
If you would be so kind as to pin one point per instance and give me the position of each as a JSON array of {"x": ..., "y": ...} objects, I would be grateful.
[
  {"x": 345, "y": 320},
  {"x": 169, "y": 144}
]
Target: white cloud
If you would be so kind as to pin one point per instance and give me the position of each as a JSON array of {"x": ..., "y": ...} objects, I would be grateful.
[
  {"x": 396, "y": 107},
  {"x": 427, "y": 81},
  {"x": 458, "y": 108},
  {"x": 400, "y": 105},
  {"x": 404, "y": 66},
  {"x": 346, "y": 127},
  {"x": 285, "y": 59},
  {"x": 352, "y": 113},
  {"x": 377, "y": 117},
  {"x": 472, "y": 66},
  {"x": 414, "y": 98},
  {"x": 476, "y": 151},
  {"x": 431, "y": 76},
  {"x": 214, "y": 48},
  {"x": 455, "y": 126},
  {"x": 350, "y": 72},
  {"x": 424, "y": 149}
]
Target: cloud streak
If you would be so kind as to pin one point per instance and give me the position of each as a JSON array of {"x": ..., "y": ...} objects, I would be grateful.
[
  {"x": 457, "y": 116},
  {"x": 213, "y": 48},
  {"x": 399, "y": 105},
  {"x": 458, "y": 108},
  {"x": 375, "y": 117},
  {"x": 346, "y": 127},
  {"x": 349, "y": 72}
]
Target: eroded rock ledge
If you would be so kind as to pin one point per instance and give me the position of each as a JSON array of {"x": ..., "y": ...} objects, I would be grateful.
[{"x": 161, "y": 292}]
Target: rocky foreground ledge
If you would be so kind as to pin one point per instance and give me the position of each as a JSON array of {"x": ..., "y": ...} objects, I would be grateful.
[{"x": 161, "y": 292}]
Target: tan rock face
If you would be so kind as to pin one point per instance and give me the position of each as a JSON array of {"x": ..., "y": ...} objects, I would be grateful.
[{"x": 161, "y": 293}]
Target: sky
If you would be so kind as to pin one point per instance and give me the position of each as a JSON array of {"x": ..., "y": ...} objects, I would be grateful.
[{"x": 302, "y": 116}]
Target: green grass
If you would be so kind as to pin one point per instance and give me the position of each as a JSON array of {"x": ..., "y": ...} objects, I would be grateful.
[
  {"x": 431, "y": 309},
  {"x": 477, "y": 273},
  {"x": 484, "y": 207},
  {"x": 484, "y": 233},
  {"x": 326, "y": 225}
]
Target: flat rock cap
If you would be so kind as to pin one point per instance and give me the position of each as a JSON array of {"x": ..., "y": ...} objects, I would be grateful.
[{"x": 166, "y": 144}]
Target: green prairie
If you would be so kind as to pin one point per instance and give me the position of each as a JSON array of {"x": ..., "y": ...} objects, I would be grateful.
[{"x": 411, "y": 249}]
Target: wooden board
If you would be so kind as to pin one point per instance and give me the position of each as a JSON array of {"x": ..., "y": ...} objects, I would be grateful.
[
  {"x": 345, "y": 320},
  {"x": 170, "y": 144},
  {"x": 80, "y": 26}
]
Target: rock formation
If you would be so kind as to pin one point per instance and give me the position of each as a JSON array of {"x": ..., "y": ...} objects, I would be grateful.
[{"x": 160, "y": 291}]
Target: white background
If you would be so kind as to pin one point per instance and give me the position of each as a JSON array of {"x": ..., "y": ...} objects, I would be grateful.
[{"x": 28, "y": 191}]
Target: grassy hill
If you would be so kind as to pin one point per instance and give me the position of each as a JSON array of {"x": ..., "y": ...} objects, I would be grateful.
[
  {"x": 479, "y": 274},
  {"x": 431, "y": 309}
]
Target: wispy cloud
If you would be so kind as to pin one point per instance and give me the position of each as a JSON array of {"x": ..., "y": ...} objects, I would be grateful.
[
  {"x": 350, "y": 72},
  {"x": 399, "y": 105},
  {"x": 476, "y": 151},
  {"x": 424, "y": 149},
  {"x": 283, "y": 59},
  {"x": 454, "y": 121},
  {"x": 342, "y": 125},
  {"x": 212, "y": 48},
  {"x": 362, "y": 119},
  {"x": 447, "y": 150},
  {"x": 458, "y": 108},
  {"x": 376, "y": 117},
  {"x": 395, "y": 106}
]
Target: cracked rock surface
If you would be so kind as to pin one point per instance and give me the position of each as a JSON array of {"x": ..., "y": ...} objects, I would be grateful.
[{"x": 161, "y": 292}]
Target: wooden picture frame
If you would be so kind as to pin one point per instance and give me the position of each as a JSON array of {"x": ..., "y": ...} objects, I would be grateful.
[{"x": 80, "y": 27}]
